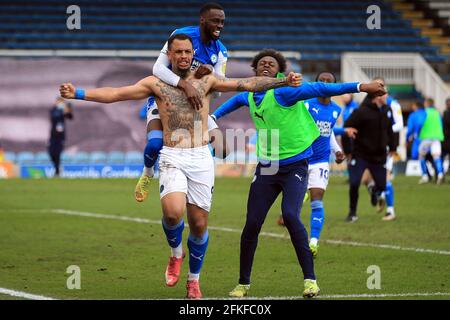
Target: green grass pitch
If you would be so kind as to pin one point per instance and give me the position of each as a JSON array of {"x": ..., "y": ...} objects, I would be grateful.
[{"x": 126, "y": 259}]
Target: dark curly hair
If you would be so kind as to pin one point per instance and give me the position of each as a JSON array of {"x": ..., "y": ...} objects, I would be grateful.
[{"x": 270, "y": 53}]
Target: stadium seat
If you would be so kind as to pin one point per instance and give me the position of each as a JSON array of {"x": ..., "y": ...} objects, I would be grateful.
[
  {"x": 42, "y": 158},
  {"x": 116, "y": 157},
  {"x": 81, "y": 158},
  {"x": 67, "y": 158},
  {"x": 134, "y": 157},
  {"x": 146, "y": 24},
  {"x": 25, "y": 157},
  {"x": 10, "y": 156},
  {"x": 98, "y": 157}
]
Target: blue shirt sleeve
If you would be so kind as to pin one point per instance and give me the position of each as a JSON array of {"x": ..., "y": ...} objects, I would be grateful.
[
  {"x": 420, "y": 121},
  {"x": 289, "y": 96},
  {"x": 338, "y": 131},
  {"x": 222, "y": 49},
  {"x": 232, "y": 104},
  {"x": 410, "y": 126}
]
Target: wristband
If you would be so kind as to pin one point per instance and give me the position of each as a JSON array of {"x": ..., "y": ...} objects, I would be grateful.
[{"x": 79, "y": 94}]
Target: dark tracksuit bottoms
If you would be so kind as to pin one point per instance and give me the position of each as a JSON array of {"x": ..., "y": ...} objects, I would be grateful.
[
  {"x": 356, "y": 169},
  {"x": 292, "y": 181},
  {"x": 374, "y": 137}
]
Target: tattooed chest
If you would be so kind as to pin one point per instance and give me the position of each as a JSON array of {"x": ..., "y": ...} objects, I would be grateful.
[{"x": 179, "y": 112}]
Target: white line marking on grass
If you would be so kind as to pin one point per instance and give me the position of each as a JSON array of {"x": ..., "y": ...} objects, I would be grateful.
[
  {"x": 385, "y": 295},
  {"x": 264, "y": 234},
  {"x": 24, "y": 295},
  {"x": 103, "y": 216},
  {"x": 385, "y": 246},
  {"x": 342, "y": 296}
]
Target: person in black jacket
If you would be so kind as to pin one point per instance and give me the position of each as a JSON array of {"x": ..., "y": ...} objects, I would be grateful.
[
  {"x": 374, "y": 136},
  {"x": 58, "y": 114}
]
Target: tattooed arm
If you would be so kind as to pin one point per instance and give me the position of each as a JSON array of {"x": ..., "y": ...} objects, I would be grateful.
[
  {"x": 255, "y": 83},
  {"x": 140, "y": 90}
]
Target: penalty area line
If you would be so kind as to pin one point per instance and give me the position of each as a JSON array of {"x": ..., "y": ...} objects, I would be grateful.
[{"x": 25, "y": 295}]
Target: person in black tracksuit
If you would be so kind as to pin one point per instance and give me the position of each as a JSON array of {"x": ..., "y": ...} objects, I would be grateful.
[
  {"x": 375, "y": 135},
  {"x": 58, "y": 114}
]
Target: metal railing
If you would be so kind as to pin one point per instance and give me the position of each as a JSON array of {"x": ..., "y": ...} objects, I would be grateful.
[{"x": 396, "y": 68}]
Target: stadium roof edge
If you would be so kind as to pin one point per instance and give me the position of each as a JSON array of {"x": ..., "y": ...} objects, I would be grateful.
[{"x": 118, "y": 53}]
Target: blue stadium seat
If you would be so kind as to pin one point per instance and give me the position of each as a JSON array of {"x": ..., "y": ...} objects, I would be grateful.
[
  {"x": 134, "y": 157},
  {"x": 116, "y": 157},
  {"x": 42, "y": 158},
  {"x": 10, "y": 156},
  {"x": 317, "y": 29},
  {"x": 98, "y": 157},
  {"x": 81, "y": 157},
  {"x": 25, "y": 157},
  {"x": 67, "y": 158}
]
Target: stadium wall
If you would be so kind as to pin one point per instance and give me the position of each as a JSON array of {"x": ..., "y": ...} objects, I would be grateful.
[{"x": 29, "y": 87}]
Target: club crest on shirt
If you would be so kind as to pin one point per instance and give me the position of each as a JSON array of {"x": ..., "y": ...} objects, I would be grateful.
[
  {"x": 214, "y": 58},
  {"x": 335, "y": 114}
]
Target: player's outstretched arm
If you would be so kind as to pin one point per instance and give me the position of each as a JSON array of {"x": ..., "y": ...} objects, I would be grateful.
[
  {"x": 140, "y": 90},
  {"x": 232, "y": 104},
  {"x": 373, "y": 88},
  {"x": 255, "y": 84},
  {"x": 290, "y": 96}
]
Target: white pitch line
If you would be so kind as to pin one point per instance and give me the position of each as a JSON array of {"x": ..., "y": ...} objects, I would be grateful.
[
  {"x": 385, "y": 295},
  {"x": 30, "y": 296},
  {"x": 386, "y": 246},
  {"x": 22, "y": 294},
  {"x": 342, "y": 296},
  {"x": 264, "y": 234},
  {"x": 267, "y": 234},
  {"x": 103, "y": 216}
]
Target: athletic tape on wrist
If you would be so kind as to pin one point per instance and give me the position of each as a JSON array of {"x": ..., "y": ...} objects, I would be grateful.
[{"x": 79, "y": 94}]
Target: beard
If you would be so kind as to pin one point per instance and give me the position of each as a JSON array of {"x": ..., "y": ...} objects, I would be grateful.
[{"x": 183, "y": 72}]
